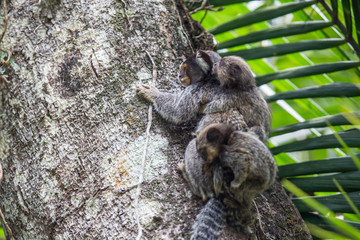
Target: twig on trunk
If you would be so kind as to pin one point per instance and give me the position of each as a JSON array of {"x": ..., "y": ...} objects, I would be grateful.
[
  {"x": 92, "y": 66},
  {"x": 207, "y": 8},
  {"x": 141, "y": 177},
  {"x": 1, "y": 173},
  {"x": 154, "y": 67},
  {"x": 260, "y": 222},
  {"x": 7, "y": 226}
]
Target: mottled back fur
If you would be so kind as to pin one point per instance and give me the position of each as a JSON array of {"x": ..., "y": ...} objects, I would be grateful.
[
  {"x": 248, "y": 111},
  {"x": 234, "y": 72}
]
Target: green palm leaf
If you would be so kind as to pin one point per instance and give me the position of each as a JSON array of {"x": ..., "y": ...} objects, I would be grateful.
[
  {"x": 322, "y": 222},
  {"x": 333, "y": 120},
  {"x": 281, "y": 31},
  {"x": 338, "y": 89},
  {"x": 347, "y": 15},
  {"x": 307, "y": 71},
  {"x": 350, "y": 181},
  {"x": 260, "y": 15},
  {"x": 336, "y": 202},
  {"x": 350, "y": 137},
  {"x": 281, "y": 49},
  {"x": 356, "y": 11},
  {"x": 339, "y": 164}
]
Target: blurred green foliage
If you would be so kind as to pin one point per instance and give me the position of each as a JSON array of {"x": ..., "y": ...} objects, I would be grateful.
[{"x": 2, "y": 234}]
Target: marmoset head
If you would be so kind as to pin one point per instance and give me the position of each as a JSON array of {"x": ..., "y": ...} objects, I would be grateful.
[
  {"x": 197, "y": 67},
  {"x": 212, "y": 139},
  {"x": 234, "y": 72}
]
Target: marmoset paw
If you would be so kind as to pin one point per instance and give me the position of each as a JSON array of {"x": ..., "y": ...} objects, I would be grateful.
[{"x": 147, "y": 92}]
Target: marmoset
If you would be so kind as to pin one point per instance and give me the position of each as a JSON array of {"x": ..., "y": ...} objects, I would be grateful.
[
  {"x": 196, "y": 74},
  {"x": 248, "y": 158},
  {"x": 246, "y": 110},
  {"x": 249, "y": 169}
]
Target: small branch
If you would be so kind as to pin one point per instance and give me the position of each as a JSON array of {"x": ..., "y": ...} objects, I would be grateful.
[
  {"x": 5, "y": 63},
  {"x": 141, "y": 177},
  {"x": 260, "y": 222},
  {"x": 154, "y": 67},
  {"x": 203, "y": 4},
  {"x": 182, "y": 24},
  {"x": 8, "y": 56},
  {"x": 202, "y": 19},
  {"x": 342, "y": 28},
  {"x": 1, "y": 173},
  {"x": 126, "y": 16},
  {"x": 92, "y": 66},
  {"x": 3, "y": 79},
  {"x": 207, "y": 8},
  {"x": 7, "y": 226}
]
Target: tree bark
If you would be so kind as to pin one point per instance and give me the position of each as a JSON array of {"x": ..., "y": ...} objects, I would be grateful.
[{"x": 73, "y": 131}]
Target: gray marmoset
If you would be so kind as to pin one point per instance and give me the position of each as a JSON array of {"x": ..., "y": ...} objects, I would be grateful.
[
  {"x": 248, "y": 158},
  {"x": 248, "y": 166},
  {"x": 195, "y": 73}
]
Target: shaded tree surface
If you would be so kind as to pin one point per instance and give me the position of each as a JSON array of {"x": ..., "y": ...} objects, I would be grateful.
[{"x": 73, "y": 130}]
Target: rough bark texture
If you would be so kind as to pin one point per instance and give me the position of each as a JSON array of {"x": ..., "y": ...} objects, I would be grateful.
[{"x": 73, "y": 130}]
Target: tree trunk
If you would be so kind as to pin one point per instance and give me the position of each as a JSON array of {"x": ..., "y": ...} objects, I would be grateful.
[{"x": 73, "y": 131}]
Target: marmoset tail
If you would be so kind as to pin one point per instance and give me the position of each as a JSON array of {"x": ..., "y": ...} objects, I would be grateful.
[{"x": 210, "y": 222}]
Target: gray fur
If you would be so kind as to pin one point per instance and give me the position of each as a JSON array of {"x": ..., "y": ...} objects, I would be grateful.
[
  {"x": 202, "y": 63},
  {"x": 210, "y": 222},
  {"x": 200, "y": 182},
  {"x": 250, "y": 106},
  {"x": 206, "y": 59},
  {"x": 183, "y": 106},
  {"x": 252, "y": 163},
  {"x": 253, "y": 168},
  {"x": 247, "y": 110}
]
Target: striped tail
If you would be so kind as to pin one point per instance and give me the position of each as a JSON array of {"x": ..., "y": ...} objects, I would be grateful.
[{"x": 210, "y": 222}]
